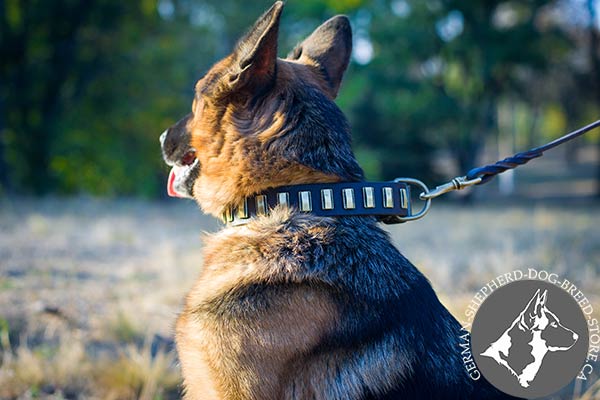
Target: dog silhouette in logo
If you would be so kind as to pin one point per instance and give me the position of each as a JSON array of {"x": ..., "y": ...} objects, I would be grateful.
[{"x": 532, "y": 335}]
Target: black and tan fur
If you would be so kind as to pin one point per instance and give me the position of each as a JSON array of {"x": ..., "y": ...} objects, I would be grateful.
[{"x": 294, "y": 306}]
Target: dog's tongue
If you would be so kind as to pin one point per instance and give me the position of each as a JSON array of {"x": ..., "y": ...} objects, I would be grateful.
[{"x": 171, "y": 183}]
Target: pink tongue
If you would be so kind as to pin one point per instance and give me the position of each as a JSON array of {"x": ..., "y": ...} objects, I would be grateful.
[{"x": 170, "y": 184}]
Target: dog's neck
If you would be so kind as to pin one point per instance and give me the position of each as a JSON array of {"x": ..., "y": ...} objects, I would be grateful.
[
  {"x": 294, "y": 134},
  {"x": 539, "y": 349},
  {"x": 384, "y": 200}
]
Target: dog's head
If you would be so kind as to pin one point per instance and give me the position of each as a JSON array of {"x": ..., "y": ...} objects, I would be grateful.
[
  {"x": 258, "y": 121},
  {"x": 537, "y": 317}
]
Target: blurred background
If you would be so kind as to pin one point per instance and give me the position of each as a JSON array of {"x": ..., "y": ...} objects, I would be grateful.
[{"x": 94, "y": 259}]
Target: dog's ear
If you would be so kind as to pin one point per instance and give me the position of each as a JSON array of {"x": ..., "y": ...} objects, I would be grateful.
[
  {"x": 530, "y": 311},
  {"x": 535, "y": 308},
  {"x": 540, "y": 303},
  {"x": 330, "y": 47},
  {"x": 255, "y": 55}
]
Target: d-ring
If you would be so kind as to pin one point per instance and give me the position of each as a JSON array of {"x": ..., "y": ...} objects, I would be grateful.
[{"x": 425, "y": 209}]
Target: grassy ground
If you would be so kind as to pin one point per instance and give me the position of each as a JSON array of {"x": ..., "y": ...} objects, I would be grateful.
[{"x": 89, "y": 289}]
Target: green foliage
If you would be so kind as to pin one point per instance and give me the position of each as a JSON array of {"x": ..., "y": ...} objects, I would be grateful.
[
  {"x": 4, "y": 335},
  {"x": 87, "y": 87}
]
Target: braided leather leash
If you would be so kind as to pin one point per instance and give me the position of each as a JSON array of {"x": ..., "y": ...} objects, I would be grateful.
[
  {"x": 481, "y": 175},
  {"x": 489, "y": 171}
]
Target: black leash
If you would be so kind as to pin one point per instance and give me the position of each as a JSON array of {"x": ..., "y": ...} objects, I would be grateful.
[
  {"x": 481, "y": 175},
  {"x": 390, "y": 202},
  {"x": 489, "y": 171}
]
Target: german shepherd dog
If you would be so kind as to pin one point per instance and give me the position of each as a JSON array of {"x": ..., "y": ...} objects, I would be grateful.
[{"x": 292, "y": 305}]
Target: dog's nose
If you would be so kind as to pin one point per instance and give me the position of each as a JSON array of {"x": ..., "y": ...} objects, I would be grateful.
[
  {"x": 575, "y": 336},
  {"x": 162, "y": 137}
]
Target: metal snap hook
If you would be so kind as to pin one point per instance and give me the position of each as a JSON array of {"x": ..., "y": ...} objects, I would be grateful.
[{"x": 458, "y": 183}]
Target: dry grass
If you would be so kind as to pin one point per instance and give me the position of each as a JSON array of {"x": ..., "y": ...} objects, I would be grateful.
[
  {"x": 61, "y": 369},
  {"x": 89, "y": 289},
  {"x": 66, "y": 371},
  {"x": 137, "y": 374}
]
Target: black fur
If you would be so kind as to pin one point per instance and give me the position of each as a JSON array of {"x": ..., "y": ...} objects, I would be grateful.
[
  {"x": 176, "y": 141},
  {"x": 319, "y": 136},
  {"x": 391, "y": 322},
  {"x": 382, "y": 296}
]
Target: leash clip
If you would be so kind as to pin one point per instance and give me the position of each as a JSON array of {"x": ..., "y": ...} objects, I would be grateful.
[{"x": 458, "y": 183}]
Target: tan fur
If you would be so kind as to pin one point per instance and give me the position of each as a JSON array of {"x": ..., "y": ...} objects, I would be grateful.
[
  {"x": 253, "y": 356},
  {"x": 231, "y": 156},
  {"x": 227, "y": 355},
  {"x": 264, "y": 348},
  {"x": 292, "y": 306}
]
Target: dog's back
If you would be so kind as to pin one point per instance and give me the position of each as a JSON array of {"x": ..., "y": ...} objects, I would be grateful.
[
  {"x": 303, "y": 307},
  {"x": 294, "y": 306}
]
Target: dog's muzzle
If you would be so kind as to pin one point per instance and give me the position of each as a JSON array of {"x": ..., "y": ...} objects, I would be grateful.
[{"x": 177, "y": 152}]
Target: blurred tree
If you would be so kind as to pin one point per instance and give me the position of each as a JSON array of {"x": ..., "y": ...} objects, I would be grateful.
[
  {"x": 439, "y": 71},
  {"x": 594, "y": 46},
  {"x": 594, "y": 54},
  {"x": 109, "y": 142},
  {"x": 87, "y": 87},
  {"x": 51, "y": 52},
  {"x": 395, "y": 111},
  {"x": 502, "y": 47},
  {"x": 575, "y": 83},
  {"x": 39, "y": 50}
]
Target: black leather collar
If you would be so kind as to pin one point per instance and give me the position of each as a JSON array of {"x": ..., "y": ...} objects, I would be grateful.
[{"x": 385, "y": 200}]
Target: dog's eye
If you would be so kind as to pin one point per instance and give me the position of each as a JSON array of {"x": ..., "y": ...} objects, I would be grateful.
[{"x": 554, "y": 325}]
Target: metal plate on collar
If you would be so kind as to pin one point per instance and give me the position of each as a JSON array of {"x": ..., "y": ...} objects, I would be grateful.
[
  {"x": 348, "y": 198},
  {"x": 305, "y": 201},
  {"x": 327, "y": 199},
  {"x": 261, "y": 204}
]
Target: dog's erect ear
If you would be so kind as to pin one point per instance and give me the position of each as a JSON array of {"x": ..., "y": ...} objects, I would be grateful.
[
  {"x": 540, "y": 303},
  {"x": 530, "y": 311},
  {"x": 535, "y": 307},
  {"x": 330, "y": 46},
  {"x": 255, "y": 55}
]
